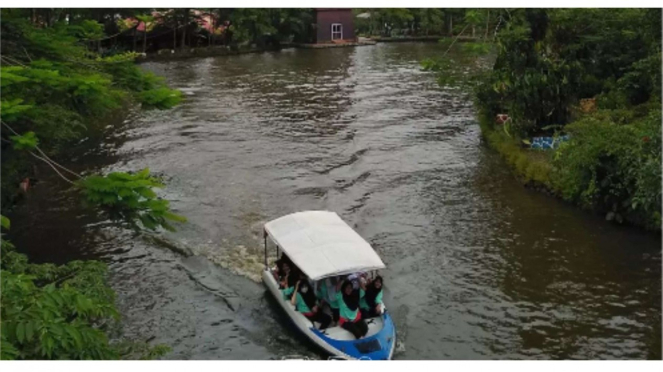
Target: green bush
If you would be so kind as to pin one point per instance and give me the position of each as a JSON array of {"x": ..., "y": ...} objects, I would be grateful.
[
  {"x": 60, "y": 312},
  {"x": 613, "y": 167}
]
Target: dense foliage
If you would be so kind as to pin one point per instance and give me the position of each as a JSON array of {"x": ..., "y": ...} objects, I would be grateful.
[
  {"x": 393, "y": 22},
  {"x": 550, "y": 59},
  {"x": 56, "y": 90},
  {"x": 273, "y": 25},
  {"x": 54, "y": 87},
  {"x": 613, "y": 166},
  {"x": 594, "y": 74}
]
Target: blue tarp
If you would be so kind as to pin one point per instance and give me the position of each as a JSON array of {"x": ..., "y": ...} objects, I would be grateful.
[{"x": 544, "y": 143}]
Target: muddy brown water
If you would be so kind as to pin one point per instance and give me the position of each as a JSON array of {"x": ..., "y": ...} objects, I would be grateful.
[{"x": 478, "y": 266}]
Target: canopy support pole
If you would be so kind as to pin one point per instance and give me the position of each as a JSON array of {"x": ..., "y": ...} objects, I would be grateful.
[{"x": 265, "y": 238}]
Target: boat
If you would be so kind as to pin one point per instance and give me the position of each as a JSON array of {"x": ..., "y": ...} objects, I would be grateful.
[{"x": 323, "y": 246}]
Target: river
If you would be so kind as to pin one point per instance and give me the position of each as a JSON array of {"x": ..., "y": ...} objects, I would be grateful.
[{"x": 478, "y": 266}]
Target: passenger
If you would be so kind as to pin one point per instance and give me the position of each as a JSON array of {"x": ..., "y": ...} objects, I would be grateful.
[
  {"x": 350, "y": 316},
  {"x": 356, "y": 279},
  {"x": 288, "y": 281},
  {"x": 305, "y": 302},
  {"x": 371, "y": 303},
  {"x": 278, "y": 270},
  {"x": 327, "y": 295}
]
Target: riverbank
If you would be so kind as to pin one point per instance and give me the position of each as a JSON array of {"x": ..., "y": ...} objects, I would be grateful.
[
  {"x": 538, "y": 170},
  {"x": 434, "y": 38},
  {"x": 364, "y": 42},
  {"x": 220, "y": 51},
  {"x": 532, "y": 168},
  {"x": 210, "y": 51},
  {"x": 605, "y": 101}
]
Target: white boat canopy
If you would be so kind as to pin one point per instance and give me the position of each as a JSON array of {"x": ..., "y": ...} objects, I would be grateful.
[{"x": 321, "y": 244}]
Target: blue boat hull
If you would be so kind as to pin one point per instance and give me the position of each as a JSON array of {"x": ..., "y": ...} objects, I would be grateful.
[{"x": 380, "y": 346}]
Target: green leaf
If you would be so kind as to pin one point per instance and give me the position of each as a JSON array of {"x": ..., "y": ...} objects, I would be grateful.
[
  {"x": 13, "y": 109},
  {"x": 29, "y": 330},
  {"x": 143, "y": 173},
  {"x": 175, "y": 217},
  {"x": 20, "y": 332},
  {"x": 4, "y": 221},
  {"x": 27, "y": 141},
  {"x": 73, "y": 332},
  {"x": 7, "y": 350}
]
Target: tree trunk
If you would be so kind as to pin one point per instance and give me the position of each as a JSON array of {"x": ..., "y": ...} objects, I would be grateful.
[
  {"x": 145, "y": 40},
  {"x": 451, "y": 25},
  {"x": 135, "y": 36},
  {"x": 175, "y": 36},
  {"x": 474, "y": 29},
  {"x": 186, "y": 23},
  {"x": 487, "y": 24},
  {"x": 48, "y": 17}
]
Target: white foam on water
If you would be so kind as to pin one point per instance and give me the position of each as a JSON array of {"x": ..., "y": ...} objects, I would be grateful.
[{"x": 240, "y": 259}]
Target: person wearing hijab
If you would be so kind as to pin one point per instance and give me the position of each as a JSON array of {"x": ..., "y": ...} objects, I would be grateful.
[
  {"x": 304, "y": 301},
  {"x": 350, "y": 317},
  {"x": 371, "y": 303}
]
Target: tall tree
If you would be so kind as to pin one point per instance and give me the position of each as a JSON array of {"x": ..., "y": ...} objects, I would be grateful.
[{"x": 185, "y": 25}]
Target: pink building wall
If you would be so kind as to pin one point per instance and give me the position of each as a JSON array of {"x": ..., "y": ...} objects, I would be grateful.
[{"x": 326, "y": 17}]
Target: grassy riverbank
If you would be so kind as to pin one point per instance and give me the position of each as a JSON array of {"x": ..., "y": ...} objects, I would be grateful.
[
  {"x": 533, "y": 168},
  {"x": 606, "y": 167},
  {"x": 599, "y": 84}
]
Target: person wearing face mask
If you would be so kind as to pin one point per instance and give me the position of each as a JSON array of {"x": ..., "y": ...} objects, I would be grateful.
[
  {"x": 306, "y": 303},
  {"x": 371, "y": 303},
  {"x": 350, "y": 317}
]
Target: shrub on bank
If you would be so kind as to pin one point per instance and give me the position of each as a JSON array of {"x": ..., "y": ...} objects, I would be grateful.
[
  {"x": 613, "y": 167},
  {"x": 546, "y": 64}
]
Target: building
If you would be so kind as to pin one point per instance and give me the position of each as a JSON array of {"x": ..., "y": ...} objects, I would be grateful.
[{"x": 334, "y": 26}]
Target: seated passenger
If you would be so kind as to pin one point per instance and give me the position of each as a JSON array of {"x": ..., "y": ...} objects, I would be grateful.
[
  {"x": 371, "y": 303},
  {"x": 327, "y": 295},
  {"x": 288, "y": 280},
  {"x": 278, "y": 269},
  {"x": 357, "y": 279},
  {"x": 305, "y": 302},
  {"x": 350, "y": 316}
]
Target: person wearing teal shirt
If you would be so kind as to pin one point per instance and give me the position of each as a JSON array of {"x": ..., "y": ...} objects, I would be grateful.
[
  {"x": 290, "y": 277},
  {"x": 371, "y": 304},
  {"x": 304, "y": 301},
  {"x": 329, "y": 296},
  {"x": 350, "y": 317}
]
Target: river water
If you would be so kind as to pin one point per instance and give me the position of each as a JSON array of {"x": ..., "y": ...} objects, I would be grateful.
[{"x": 478, "y": 266}]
